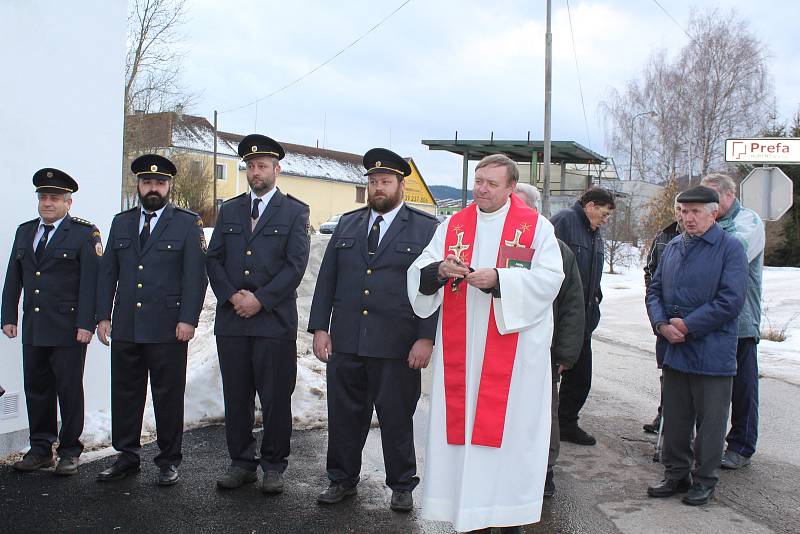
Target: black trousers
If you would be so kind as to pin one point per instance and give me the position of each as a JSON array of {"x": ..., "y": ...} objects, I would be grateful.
[
  {"x": 575, "y": 386},
  {"x": 356, "y": 384},
  {"x": 266, "y": 366},
  {"x": 130, "y": 365},
  {"x": 54, "y": 375},
  {"x": 694, "y": 401}
]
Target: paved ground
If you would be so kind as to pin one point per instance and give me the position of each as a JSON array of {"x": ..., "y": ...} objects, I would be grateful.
[{"x": 601, "y": 489}]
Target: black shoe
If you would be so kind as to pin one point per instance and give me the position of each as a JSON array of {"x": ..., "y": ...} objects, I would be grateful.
[
  {"x": 575, "y": 434},
  {"x": 652, "y": 428},
  {"x": 272, "y": 483},
  {"x": 510, "y": 530},
  {"x": 67, "y": 465},
  {"x": 549, "y": 485},
  {"x": 669, "y": 487},
  {"x": 33, "y": 462},
  {"x": 698, "y": 495},
  {"x": 236, "y": 477},
  {"x": 118, "y": 471},
  {"x": 168, "y": 475},
  {"x": 402, "y": 501},
  {"x": 335, "y": 493}
]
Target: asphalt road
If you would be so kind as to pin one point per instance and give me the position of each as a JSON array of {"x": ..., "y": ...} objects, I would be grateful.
[{"x": 600, "y": 489}]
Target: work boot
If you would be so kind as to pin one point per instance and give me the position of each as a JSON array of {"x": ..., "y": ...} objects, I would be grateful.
[
  {"x": 549, "y": 485},
  {"x": 577, "y": 435},
  {"x": 698, "y": 495},
  {"x": 335, "y": 493},
  {"x": 734, "y": 460},
  {"x": 272, "y": 483},
  {"x": 652, "y": 428},
  {"x": 669, "y": 487},
  {"x": 402, "y": 501},
  {"x": 67, "y": 465},
  {"x": 236, "y": 477},
  {"x": 33, "y": 462}
]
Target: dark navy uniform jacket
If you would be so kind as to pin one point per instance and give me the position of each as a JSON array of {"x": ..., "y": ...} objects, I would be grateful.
[
  {"x": 153, "y": 289},
  {"x": 60, "y": 290},
  {"x": 269, "y": 260},
  {"x": 363, "y": 300}
]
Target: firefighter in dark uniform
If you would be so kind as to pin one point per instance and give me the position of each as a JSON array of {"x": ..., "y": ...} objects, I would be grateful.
[
  {"x": 256, "y": 260},
  {"x": 153, "y": 274},
  {"x": 55, "y": 258},
  {"x": 376, "y": 346}
]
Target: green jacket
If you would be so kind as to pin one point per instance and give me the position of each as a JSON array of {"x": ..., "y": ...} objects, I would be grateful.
[{"x": 568, "y": 314}]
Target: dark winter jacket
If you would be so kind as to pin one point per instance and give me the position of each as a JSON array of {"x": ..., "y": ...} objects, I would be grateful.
[
  {"x": 568, "y": 314},
  {"x": 704, "y": 282},
  {"x": 656, "y": 249},
  {"x": 572, "y": 227}
]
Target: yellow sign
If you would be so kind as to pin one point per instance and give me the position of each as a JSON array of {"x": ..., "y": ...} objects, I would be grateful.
[{"x": 416, "y": 190}]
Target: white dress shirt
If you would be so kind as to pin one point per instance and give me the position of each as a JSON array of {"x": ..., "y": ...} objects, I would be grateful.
[
  {"x": 153, "y": 221},
  {"x": 264, "y": 200},
  {"x": 388, "y": 217},
  {"x": 40, "y": 231}
]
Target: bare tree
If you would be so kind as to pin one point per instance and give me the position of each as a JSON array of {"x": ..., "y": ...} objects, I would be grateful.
[
  {"x": 152, "y": 67},
  {"x": 620, "y": 234},
  {"x": 191, "y": 187},
  {"x": 659, "y": 212},
  {"x": 717, "y": 87}
]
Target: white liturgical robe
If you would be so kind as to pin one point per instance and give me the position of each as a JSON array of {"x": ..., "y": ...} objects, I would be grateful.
[{"x": 473, "y": 486}]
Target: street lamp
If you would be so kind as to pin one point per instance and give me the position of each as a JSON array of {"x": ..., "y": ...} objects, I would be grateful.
[{"x": 630, "y": 161}]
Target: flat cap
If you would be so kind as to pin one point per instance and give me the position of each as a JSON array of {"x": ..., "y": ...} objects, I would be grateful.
[
  {"x": 698, "y": 195},
  {"x": 153, "y": 166},
  {"x": 49, "y": 180},
  {"x": 383, "y": 160},
  {"x": 254, "y": 145}
]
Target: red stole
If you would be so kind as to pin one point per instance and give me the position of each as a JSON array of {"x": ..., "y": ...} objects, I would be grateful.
[{"x": 499, "y": 352}]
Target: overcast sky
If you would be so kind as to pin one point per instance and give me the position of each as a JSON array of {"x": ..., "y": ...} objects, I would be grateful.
[{"x": 438, "y": 66}]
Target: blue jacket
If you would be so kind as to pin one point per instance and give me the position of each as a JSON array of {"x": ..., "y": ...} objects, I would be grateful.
[
  {"x": 60, "y": 289},
  {"x": 154, "y": 288},
  {"x": 572, "y": 227},
  {"x": 703, "y": 282},
  {"x": 363, "y": 300},
  {"x": 269, "y": 261}
]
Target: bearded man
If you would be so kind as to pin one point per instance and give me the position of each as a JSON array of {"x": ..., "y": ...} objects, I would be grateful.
[
  {"x": 152, "y": 275},
  {"x": 366, "y": 332}
]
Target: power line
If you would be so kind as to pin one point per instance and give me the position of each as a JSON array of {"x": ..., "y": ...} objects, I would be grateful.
[
  {"x": 578, "y": 71},
  {"x": 678, "y": 24},
  {"x": 315, "y": 69}
]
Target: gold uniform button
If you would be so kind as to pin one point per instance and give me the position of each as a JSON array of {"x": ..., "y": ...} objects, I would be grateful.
[
  {"x": 139, "y": 286},
  {"x": 369, "y": 271},
  {"x": 36, "y": 310},
  {"x": 138, "y": 304},
  {"x": 366, "y": 291},
  {"x": 36, "y": 291},
  {"x": 249, "y": 252},
  {"x": 275, "y": 231},
  {"x": 141, "y": 267},
  {"x": 169, "y": 246},
  {"x": 247, "y": 273},
  {"x": 365, "y": 312},
  {"x": 65, "y": 255},
  {"x": 38, "y": 273}
]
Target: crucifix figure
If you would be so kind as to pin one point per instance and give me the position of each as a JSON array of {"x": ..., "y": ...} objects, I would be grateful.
[
  {"x": 515, "y": 242},
  {"x": 459, "y": 247}
]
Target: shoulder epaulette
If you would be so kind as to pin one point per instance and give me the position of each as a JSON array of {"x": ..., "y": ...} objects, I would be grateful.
[
  {"x": 32, "y": 221},
  {"x": 237, "y": 197},
  {"x": 296, "y": 199},
  {"x": 421, "y": 212},
  {"x": 355, "y": 210},
  {"x": 82, "y": 222},
  {"x": 129, "y": 210},
  {"x": 184, "y": 210}
]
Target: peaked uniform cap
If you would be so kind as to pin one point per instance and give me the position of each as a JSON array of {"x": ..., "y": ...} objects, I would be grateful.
[
  {"x": 383, "y": 160},
  {"x": 50, "y": 180},
  {"x": 255, "y": 145},
  {"x": 153, "y": 166}
]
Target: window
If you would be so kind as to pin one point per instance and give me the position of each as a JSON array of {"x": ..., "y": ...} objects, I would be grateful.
[
  {"x": 360, "y": 194},
  {"x": 220, "y": 174}
]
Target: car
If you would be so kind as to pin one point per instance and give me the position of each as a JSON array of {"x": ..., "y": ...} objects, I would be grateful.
[{"x": 330, "y": 225}]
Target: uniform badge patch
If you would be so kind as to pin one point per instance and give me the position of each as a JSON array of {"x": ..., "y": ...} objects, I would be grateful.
[
  {"x": 203, "y": 243},
  {"x": 98, "y": 243}
]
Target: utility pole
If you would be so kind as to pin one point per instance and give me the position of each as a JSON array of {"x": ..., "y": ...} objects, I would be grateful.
[
  {"x": 214, "y": 172},
  {"x": 630, "y": 159},
  {"x": 548, "y": 64}
]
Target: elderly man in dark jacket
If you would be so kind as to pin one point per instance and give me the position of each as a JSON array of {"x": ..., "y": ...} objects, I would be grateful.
[
  {"x": 653, "y": 258},
  {"x": 693, "y": 302},
  {"x": 579, "y": 227},
  {"x": 568, "y": 326}
]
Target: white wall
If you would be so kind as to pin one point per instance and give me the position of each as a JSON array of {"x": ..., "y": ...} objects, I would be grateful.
[{"x": 61, "y": 105}]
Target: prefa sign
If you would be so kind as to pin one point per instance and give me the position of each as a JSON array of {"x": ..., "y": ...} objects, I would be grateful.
[{"x": 763, "y": 150}]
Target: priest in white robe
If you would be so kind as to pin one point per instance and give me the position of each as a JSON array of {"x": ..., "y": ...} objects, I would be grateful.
[{"x": 494, "y": 268}]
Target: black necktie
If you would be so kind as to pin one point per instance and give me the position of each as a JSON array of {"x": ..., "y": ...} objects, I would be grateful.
[
  {"x": 374, "y": 235},
  {"x": 148, "y": 218},
  {"x": 254, "y": 212},
  {"x": 43, "y": 241}
]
